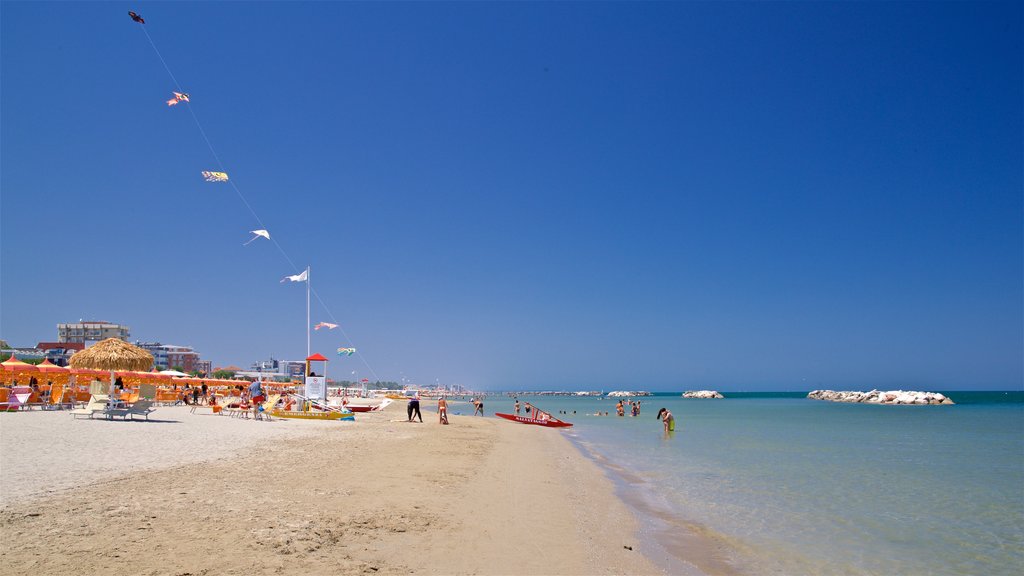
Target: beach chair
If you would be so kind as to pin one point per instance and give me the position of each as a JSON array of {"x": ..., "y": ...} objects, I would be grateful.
[
  {"x": 17, "y": 397},
  {"x": 97, "y": 404},
  {"x": 141, "y": 408},
  {"x": 268, "y": 405},
  {"x": 35, "y": 400},
  {"x": 225, "y": 406},
  {"x": 56, "y": 399}
]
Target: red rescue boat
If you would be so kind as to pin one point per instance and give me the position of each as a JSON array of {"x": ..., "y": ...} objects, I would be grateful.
[{"x": 539, "y": 418}]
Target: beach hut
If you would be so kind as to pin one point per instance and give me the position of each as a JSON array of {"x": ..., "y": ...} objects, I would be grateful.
[{"x": 113, "y": 355}]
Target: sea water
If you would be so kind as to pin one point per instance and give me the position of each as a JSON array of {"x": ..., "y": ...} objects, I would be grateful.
[{"x": 781, "y": 484}]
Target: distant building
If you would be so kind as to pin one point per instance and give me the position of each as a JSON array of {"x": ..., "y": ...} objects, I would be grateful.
[
  {"x": 83, "y": 331},
  {"x": 228, "y": 368},
  {"x": 60, "y": 353},
  {"x": 167, "y": 356},
  {"x": 273, "y": 368},
  {"x": 204, "y": 367},
  {"x": 25, "y": 353}
]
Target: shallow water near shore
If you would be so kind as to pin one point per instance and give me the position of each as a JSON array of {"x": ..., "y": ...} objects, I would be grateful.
[{"x": 777, "y": 483}]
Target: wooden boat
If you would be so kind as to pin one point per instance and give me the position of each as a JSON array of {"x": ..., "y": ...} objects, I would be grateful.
[{"x": 545, "y": 420}]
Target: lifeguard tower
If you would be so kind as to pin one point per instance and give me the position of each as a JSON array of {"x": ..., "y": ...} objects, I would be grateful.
[{"x": 316, "y": 377}]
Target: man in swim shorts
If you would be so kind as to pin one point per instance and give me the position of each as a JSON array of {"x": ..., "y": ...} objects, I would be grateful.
[{"x": 256, "y": 393}]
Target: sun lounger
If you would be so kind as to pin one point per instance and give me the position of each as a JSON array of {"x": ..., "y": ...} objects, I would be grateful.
[
  {"x": 17, "y": 398},
  {"x": 58, "y": 393},
  {"x": 141, "y": 408},
  {"x": 268, "y": 405},
  {"x": 97, "y": 404}
]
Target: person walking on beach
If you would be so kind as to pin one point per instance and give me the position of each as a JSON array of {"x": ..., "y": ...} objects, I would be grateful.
[
  {"x": 414, "y": 408},
  {"x": 257, "y": 396},
  {"x": 667, "y": 419},
  {"x": 442, "y": 410}
]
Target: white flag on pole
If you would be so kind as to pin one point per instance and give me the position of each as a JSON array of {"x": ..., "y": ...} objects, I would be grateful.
[{"x": 297, "y": 277}]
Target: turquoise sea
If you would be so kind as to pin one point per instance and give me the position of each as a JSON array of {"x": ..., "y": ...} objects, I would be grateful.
[{"x": 779, "y": 484}]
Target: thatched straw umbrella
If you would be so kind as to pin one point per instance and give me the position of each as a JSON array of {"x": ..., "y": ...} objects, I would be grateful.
[{"x": 112, "y": 354}]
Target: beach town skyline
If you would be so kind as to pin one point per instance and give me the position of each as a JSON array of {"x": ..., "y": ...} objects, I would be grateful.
[{"x": 509, "y": 196}]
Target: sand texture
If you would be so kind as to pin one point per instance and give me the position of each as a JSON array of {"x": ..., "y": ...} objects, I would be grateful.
[{"x": 204, "y": 494}]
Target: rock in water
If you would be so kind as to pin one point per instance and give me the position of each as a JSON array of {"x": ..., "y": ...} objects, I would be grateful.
[
  {"x": 702, "y": 394},
  {"x": 876, "y": 397}
]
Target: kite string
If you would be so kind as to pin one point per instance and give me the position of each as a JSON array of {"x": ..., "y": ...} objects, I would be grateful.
[
  {"x": 343, "y": 333},
  {"x": 241, "y": 196},
  {"x": 209, "y": 145}
]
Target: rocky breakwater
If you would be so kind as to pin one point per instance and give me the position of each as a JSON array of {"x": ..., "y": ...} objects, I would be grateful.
[
  {"x": 702, "y": 394},
  {"x": 878, "y": 397}
]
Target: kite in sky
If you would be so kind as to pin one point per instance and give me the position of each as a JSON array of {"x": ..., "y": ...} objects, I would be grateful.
[
  {"x": 178, "y": 97},
  {"x": 327, "y": 325},
  {"x": 297, "y": 277},
  {"x": 215, "y": 176},
  {"x": 258, "y": 233},
  {"x": 346, "y": 351},
  {"x": 136, "y": 17}
]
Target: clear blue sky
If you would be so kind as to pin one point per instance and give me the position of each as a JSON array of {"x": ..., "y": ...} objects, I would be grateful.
[{"x": 663, "y": 196}]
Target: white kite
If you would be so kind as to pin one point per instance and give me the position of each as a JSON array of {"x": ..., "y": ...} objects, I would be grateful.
[
  {"x": 327, "y": 325},
  {"x": 258, "y": 233},
  {"x": 297, "y": 277}
]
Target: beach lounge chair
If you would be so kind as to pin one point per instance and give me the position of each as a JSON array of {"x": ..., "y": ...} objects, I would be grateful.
[
  {"x": 97, "y": 404},
  {"x": 268, "y": 405},
  {"x": 56, "y": 399},
  {"x": 17, "y": 398},
  {"x": 141, "y": 408}
]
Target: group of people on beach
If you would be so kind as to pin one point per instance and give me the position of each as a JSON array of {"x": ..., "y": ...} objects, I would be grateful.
[
  {"x": 413, "y": 410},
  {"x": 192, "y": 395}
]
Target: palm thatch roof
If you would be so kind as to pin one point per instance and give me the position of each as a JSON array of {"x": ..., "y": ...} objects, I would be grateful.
[{"x": 112, "y": 354}]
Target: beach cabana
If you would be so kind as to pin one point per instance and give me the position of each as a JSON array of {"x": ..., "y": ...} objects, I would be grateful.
[
  {"x": 113, "y": 355},
  {"x": 52, "y": 373},
  {"x": 13, "y": 368}
]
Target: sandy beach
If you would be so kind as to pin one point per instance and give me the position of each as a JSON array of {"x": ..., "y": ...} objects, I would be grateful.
[{"x": 205, "y": 494}]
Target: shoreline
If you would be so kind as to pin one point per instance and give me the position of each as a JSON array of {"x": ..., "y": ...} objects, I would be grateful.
[
  {"x": 676, "y": 545},
  {"x": 375, "y": 496}
]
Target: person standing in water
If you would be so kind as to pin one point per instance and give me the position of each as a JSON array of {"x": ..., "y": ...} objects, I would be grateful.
[{"x": 667, "y": 419}]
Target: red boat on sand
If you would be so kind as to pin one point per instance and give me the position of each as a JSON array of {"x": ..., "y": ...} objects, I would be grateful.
[{"x": 540, "y": 418}]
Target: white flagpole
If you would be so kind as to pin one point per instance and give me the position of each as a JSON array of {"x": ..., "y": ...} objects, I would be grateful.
[{"x": 307, "y": 312}]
